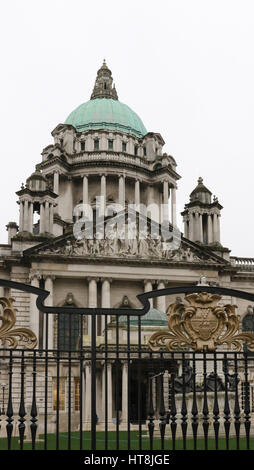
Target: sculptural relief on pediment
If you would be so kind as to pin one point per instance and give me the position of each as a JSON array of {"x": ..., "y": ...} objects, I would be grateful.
[{"x": 135, "y": 248}]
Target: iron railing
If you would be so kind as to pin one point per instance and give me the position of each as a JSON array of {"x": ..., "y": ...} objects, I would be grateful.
[{"x": 114, "y": 391}]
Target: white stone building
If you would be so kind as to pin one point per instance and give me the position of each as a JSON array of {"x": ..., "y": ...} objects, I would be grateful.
[{"x": 104, "y": 149}]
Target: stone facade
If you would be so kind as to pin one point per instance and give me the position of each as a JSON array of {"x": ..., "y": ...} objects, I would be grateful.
[{"x": 127, "y": 169}]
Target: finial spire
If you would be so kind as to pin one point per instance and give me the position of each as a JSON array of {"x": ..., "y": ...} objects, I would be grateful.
[{"x": 104, "y": 87}]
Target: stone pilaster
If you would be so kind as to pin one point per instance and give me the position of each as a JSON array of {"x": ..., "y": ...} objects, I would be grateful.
[
  {"x": 49, "y": 286},
  {"x": 34, "y": 312}
]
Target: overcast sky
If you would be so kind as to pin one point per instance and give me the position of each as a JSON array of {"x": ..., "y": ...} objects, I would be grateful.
[{"x": 185, "y": 67}]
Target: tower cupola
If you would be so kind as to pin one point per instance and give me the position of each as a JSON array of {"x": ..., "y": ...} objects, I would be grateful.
[
  {"x": 104, "y": 87},
  {"x": 201, "y": 216}
]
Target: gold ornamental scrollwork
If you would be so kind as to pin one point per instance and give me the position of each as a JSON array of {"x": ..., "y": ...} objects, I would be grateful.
[
  {"x": 10, "y": 336},
  {"x": 202, "y": 325}
]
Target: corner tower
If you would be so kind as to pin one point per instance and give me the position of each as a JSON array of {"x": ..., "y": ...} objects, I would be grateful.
[{"x": 201, "y": 216}]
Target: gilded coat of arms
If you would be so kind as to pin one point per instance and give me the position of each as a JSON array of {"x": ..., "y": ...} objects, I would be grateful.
[{"x": 202, "y": 325}]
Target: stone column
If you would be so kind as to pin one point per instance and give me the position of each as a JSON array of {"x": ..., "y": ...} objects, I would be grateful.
[
  {"x": 218, "y": 228},
  {"x": 87, "y": 394},
  {"x": 26, "y": 216},
  {"x": 121, "y": 194},
  {"x": 186, "y": 234},
  {"x": 1, "y": 291},
  {"x": 92, "y": 300},
  {"x": 191, "y": 226},
  {"x": 137, "y": 194},
  {"x": 49, "y": 286},
  {"x": 46, "y": 216},
  {"x": 147, "y": 288},
  {"x": 125, "y": 392},
  {"x": 196, "y": 227},
  {"x": 34, "y": 312},
  {"x": 165, "y": 200},
  {"x": 103, "y": 195},
  {"x": 51, "y": 217},
  {"x": 161, "y": 301},
  {"x": 85, "y": 190},
  {"x": 107, "y": 369},
  {"x": 215, "y": 227},
  {"x": 42, "y": 218},
  {"x": 56, "y": 182},
  {"x": 173, "y": 206},
  {"x": 209, "y": 229},
  {"x": 30, "y": 217},
  {"x": 21, "y": 216},
  {"x": 105, "y": 301},
  {"x": 201, "y": 228}
]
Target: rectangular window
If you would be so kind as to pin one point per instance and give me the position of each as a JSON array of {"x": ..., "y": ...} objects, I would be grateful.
[
  {"x": 124, "y": 146},
  {"x": 144, "y": 151},
  {"x": 59, "y": 398},
  {"x": 96, "y": 144},
  {"x": 110, "y": 144},
  {"x": 135, "y": 150},
  {"x": 77, "y": 393},
  {"x": 61, "y": 142},
  {"x": 83, "y": 145}
]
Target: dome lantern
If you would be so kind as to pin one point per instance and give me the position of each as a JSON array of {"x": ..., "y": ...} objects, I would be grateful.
[{"x": 104, "y": 87}]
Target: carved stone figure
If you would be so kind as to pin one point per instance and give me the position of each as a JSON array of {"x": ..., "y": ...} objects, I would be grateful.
[
  {"x": 214, "y": 382},
  {"x": 185, "y": 381}
]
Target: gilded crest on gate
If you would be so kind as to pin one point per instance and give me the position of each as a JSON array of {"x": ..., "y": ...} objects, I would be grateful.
[
  {"x": 9, "y": 335},
  {"x": 202, "y": 325}
]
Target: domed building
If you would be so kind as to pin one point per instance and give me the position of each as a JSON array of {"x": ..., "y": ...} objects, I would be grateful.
[{"x": 103, "y": 157}]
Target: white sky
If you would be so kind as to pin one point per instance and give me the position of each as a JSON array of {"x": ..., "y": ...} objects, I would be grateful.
[{"x": 186, "y": 67}]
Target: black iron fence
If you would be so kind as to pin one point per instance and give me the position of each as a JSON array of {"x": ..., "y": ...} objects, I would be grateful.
[{"x": 113, "y": 391}]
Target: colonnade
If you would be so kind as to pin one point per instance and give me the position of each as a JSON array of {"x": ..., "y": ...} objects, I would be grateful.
[
  {"x": 92, "y": 301},
  {"x": 195, "y": 230},
  {"x": 104, "y": 375},
  {"x": 26, "y": 215},
  {"x": 168, "y": 192}
]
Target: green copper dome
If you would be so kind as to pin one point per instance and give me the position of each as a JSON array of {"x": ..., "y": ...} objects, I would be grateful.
[
  {"x": 106, "y": 113},
  {"x": 153, "y": 317}
]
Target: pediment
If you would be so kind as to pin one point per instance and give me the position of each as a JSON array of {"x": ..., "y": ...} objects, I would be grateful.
[{"x": 135, "y": 249}]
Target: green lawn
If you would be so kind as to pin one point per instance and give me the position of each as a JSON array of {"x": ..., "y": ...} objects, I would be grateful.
[{"x": 123, "y": 442}]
